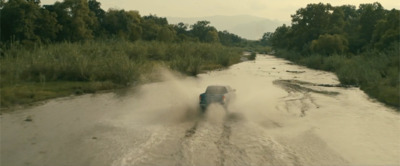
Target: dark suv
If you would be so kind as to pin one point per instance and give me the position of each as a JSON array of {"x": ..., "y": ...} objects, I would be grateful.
[{"x": 217, "y": 94}]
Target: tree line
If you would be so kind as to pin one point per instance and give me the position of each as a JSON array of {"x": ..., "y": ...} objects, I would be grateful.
[
  {"x": 360, "y": 45},
  {"x": 29, "y": 22},
  {"x": 326, "y": 29}
]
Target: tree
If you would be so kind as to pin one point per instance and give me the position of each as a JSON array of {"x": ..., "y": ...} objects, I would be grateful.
[
  {"x": 151, "y": 29},
  {"x": 95, "y": 7},
  {"x": 166, "y": 34},
  {"x": 387, "y": 31},
  {"x": 265, "y": 39},
  {"x": 123, "y": 24},
  {"x": 153, "y": 25},
  {"x": 280, "y": 38},
  {"x": 212, "y": 36},
  {"x": 370, "y": 14},
  {"x": 201, "y": 31},
  {"x": 183, "y": 33},
  {"x": 161, "y": 21},
  {"x": 336, "y": 21},
  {"x": 351, "y": 27},
  {"x": 47, "y": 26},
  {"x": 37, "y": 2},
  {"x": 308, "y": 23},
  {"x": 329, "y": 44},
  {"x": 229, "y": 39},
  {"x": 76, "y": 19},
  {"x": 133, "y": 25},
  {"x": 18, "y": 20},
  {"x": 25, "y": 21},
  {"x": 181, "y": 28},
  {"x": 100, "y": 14}
]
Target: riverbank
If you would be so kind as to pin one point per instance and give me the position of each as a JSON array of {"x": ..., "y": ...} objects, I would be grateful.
[
  {"x": 376, "y": 73},
  {"x": 63, "y": 69}
]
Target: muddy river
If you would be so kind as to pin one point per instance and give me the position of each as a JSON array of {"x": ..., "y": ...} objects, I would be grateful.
[{"x": 283, "y": 114}]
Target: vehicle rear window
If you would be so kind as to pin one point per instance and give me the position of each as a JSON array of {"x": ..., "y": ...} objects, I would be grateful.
[{"x": 216, "y": 90}]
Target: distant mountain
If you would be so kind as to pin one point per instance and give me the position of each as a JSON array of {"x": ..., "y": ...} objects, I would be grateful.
[{"x": 249, "y": 27}]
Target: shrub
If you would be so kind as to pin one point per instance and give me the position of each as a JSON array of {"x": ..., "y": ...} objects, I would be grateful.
[
  {"x": 64, "y": 68},
  {"x": 252, "y": 56},
  {"x": 329, "y": 44},
  {"x": 121, "y": 62}
]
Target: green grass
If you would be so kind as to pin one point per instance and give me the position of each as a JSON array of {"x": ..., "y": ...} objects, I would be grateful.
[
  {"x": 29, "y": 75},
  {"x": 375, "y": 72}
]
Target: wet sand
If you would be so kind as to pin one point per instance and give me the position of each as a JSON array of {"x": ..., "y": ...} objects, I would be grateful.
[{"x": 284, "y": 114}]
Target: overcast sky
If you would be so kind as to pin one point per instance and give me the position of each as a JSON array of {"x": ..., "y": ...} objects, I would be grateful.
[{"x": 272, "y": 9}]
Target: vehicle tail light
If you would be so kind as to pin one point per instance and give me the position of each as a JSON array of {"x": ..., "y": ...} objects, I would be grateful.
[{"x": 223, "y": 98}]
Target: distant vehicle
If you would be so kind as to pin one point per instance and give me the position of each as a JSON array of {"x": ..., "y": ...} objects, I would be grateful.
[{"x": 217, "y": 94}]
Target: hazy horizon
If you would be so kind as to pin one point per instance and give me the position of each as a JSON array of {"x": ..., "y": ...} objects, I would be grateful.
[
  {"x": 245, "y": 26},
  {"x": 272, "y": 10}
]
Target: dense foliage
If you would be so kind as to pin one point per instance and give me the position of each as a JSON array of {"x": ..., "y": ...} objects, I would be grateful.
[
  {"x": 79, "y": 67},
  {"x": 325, "y": 29},
  {"x": 74, "y": 46},
  {"x": 29, "y": 23},
  {"x": 361, "y": 45}
]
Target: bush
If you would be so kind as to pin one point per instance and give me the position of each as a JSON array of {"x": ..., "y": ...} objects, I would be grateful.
[
  {"x": 329, "y": 44},
  {"x": 314, "y": 61},
  {"x": 334, "y": 62},
  {"x": 110, "y": 63},
  {"x": 121, "y": 62},
  {"x": 252, "y": 56}
]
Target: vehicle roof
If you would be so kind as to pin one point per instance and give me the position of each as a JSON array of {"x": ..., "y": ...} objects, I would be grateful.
[{"x": 220, "y": 86}]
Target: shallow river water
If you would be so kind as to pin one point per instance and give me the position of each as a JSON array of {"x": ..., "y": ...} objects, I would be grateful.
[{"x": 284, "y": 114}]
